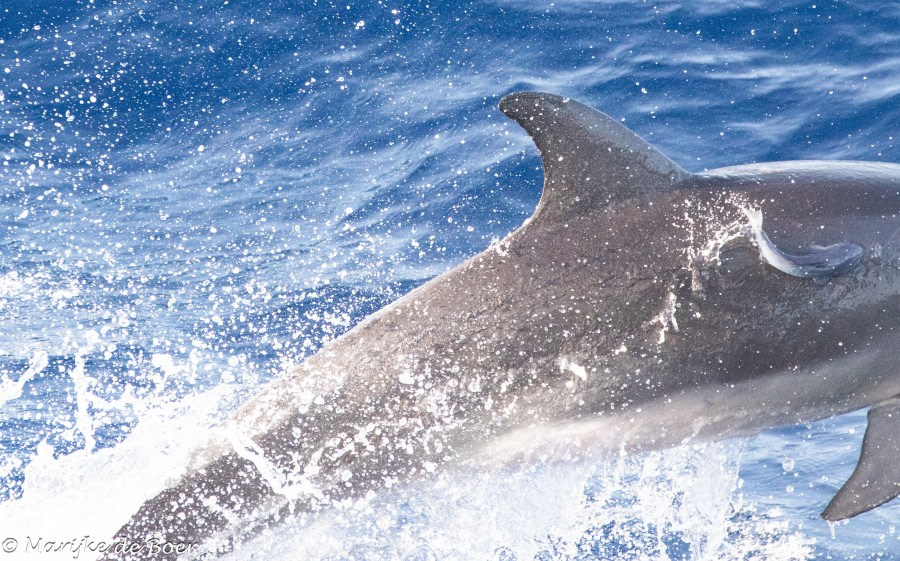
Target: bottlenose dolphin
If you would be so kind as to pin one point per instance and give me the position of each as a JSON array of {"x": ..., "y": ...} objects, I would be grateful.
[{"x": 631, "y": 310}]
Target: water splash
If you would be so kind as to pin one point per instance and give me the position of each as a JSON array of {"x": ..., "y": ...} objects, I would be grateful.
[
  {"x": 92, "y": 494},
  {"x": 10, "y": 389},
  {"x": 680, "y": 504}
]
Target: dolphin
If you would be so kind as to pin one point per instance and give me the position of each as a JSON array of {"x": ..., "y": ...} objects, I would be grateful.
[{"x": 630, "y": 311}]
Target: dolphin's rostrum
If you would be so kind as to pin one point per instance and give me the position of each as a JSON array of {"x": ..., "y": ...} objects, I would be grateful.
[{"x": 630, "y": 310}]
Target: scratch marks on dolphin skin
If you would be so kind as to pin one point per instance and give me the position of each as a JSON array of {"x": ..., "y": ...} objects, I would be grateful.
[
  {"x": 213, "y": 505},
  {"x": 292, "y": 486},
  {"x": 666, "y": 317},
  {"x": 566, "y": 365}
]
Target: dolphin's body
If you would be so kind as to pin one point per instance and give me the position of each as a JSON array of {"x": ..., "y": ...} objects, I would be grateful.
[{"x": 631, "y": 310}]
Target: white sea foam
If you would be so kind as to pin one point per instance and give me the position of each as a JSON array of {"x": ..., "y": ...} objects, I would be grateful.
[
  {"x": 674, "y": 504},
  {"x": 94, "y": 494}
]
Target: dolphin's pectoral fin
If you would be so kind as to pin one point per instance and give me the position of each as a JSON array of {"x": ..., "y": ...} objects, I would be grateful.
[
  {"x": 876, "y": 479},
  {"x": 589, "y": 159}
]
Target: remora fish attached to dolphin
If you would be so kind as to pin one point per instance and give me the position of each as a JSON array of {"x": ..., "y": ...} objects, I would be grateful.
[
  {"x": 819, "y": 263},
  {"x": 631, "y": 310}
]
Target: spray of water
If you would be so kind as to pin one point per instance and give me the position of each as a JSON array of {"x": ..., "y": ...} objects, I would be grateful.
[{"x": 671, "y": 505}]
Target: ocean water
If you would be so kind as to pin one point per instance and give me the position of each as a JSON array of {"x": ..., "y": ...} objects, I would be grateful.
[{"x": 195, "y": 196}]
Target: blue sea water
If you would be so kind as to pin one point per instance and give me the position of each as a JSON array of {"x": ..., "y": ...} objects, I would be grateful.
[{"x": 195, "y": 195}]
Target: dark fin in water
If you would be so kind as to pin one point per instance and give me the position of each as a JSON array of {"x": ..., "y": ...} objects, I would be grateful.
[
  {"x": 590, "y": 161},
  {"x": 876, "y": 479}
]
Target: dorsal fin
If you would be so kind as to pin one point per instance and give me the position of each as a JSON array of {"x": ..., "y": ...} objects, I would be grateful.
[
  {"x": 876, "y": 479},
  {"x": 589, "y": 159}
]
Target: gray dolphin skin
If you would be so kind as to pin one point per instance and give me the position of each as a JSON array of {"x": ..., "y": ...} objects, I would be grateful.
[{"x": 631, "y": 311}]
